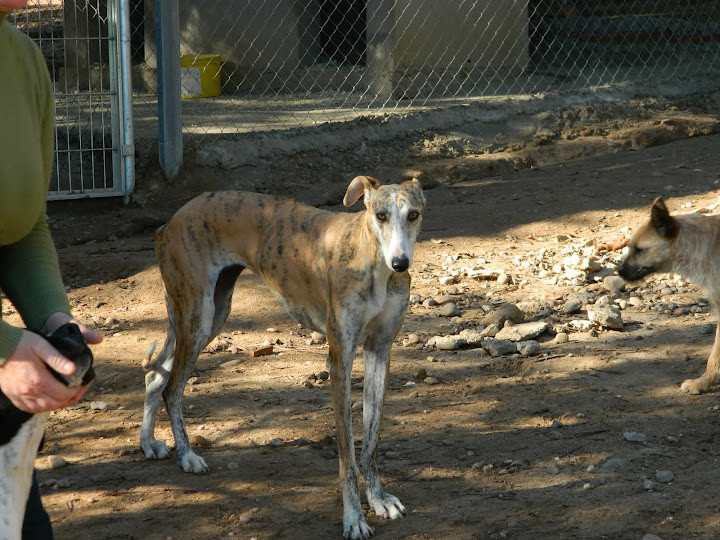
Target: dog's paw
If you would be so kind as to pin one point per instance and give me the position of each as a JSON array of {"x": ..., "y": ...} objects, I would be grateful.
[
  {"x": 156, "y": 450},
  {"x": 388, "y": 506},
  {"x": 356, "y": 528},
  {"x": 192, "y": 463},
  {"x": 696, "y": 386}
]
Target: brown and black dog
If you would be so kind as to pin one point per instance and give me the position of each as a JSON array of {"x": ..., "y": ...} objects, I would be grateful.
[
  {"x": 688, "y": 245},
  {"x": 342, "y": 274}
]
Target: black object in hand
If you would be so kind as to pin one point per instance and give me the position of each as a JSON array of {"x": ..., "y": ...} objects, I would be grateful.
[{"x": 69, "y": 342}]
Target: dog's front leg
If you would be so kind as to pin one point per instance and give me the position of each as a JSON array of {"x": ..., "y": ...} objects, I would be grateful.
[
  {"x": 708, "y": 379},
  {"x": 341, "y": 359},
  {"x": 376, "y": 355}
]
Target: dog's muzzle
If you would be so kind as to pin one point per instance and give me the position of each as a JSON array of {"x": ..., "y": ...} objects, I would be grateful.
[
  {"x": 400, "y": 264},
  {"x": 634, "y": 273}
]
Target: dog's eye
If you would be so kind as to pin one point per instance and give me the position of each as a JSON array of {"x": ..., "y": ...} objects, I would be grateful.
[
  {"x": 382, "y": 216},
  {"x": 412, "y": 216},
  {"x": 638, "y": 250}
]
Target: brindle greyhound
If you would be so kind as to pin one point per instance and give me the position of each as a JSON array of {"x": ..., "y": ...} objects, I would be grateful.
[{"x": 342, "y": 274}]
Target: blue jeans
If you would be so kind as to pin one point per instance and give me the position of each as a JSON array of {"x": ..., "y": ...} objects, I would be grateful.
[{"x": 36, "y": 524}]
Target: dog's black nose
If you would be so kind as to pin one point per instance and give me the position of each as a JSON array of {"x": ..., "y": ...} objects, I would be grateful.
[{"x": 400, "y": 264}]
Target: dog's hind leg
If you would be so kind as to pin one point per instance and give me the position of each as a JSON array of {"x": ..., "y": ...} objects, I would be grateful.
[
  {"x": 194, "y": 325},
  {"x": 202, "y": 320},
  {"x": 376, "y": 354},
  {"x": 155, "y": 382},
  {"x": 708, "y": 379}
]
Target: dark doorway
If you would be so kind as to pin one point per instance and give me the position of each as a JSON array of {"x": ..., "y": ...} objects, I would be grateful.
[
  {"x": 137, "y": 31},
  {"x": 342, "y": 31}
]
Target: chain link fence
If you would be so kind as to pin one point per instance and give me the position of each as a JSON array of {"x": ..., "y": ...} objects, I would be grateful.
[
  {"x": 79, "y": 41},
  {"x": 289, "y": 64},
  {"x": 265, "y": 65}
]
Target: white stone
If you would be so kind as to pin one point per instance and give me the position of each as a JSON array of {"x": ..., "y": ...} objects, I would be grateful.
[
  {"x": 472, "y": 337},
  {"x": 448, "y": 310},
  {"x": 56, "y": 462},
  {"x": 528, "y": 348},
  {"x": 449, "y": 343},
  {"x": 607, "y": 317},
  {"x": 523, "y": 331},
  {"x": 499, "y": 347},
  {"x": 614, "y": 283},
  {"x": 664, "y": 476},
  {"x": 634, "y": 436}
]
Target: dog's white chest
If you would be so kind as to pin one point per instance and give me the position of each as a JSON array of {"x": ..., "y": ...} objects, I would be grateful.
[
  {"x": 375, "y": 306},
  {"x": 377, "y": 301}
]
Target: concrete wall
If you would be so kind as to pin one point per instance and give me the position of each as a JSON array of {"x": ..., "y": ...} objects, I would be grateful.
[
  {"x": 273, "y": 44},
  {"x": 438, "y": 33},
  {"x": 256, "y": 38}
]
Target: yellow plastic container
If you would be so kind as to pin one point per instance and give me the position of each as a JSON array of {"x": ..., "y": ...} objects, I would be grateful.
[{"x": 200, "y": 75}]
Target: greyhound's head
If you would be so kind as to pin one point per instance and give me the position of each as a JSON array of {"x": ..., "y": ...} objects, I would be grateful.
[
  {"x": 395, "y": 213},
  {"x": 650, "y": 248}
]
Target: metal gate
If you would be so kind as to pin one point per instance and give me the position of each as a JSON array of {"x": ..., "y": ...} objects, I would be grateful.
[{"x": 86, "y": 45}]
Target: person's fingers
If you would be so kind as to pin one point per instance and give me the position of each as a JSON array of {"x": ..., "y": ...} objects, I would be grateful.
[
  {"x": 48, "y": 354},
  {"x": 90, "y": 337},
  {"x": 56, "y": 320},
  {"x": 45, "y": 394},
  {"x": 26, "y": 380}
]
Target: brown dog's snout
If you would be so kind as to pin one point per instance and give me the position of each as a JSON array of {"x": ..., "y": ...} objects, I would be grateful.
[
  {"x": 625, "y": 272},
  {"x": 633, "y": 272}
]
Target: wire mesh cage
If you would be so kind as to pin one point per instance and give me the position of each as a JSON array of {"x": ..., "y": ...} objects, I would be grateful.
[{"x": 284, "y": 65}]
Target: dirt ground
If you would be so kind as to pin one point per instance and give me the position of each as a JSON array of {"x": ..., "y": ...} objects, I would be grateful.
[{"x": 498, "y": 447}]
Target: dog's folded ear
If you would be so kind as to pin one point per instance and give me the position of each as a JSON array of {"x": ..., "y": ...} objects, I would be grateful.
[
  {"x": 665, "y": 225},
  {"x": 358, "y": 187},
  {"x": 417, "y": 186}
]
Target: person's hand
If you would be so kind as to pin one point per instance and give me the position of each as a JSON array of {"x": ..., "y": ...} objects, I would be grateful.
[
  {"x": 56, "y": 320},
  {"x": 25, "y": 379},
  {"x": 27, "y": 382}
]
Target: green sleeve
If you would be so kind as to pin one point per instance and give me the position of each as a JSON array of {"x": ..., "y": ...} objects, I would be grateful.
[
  {"x": 9, "y": 338},
  {"x": 30, "y": 276}
]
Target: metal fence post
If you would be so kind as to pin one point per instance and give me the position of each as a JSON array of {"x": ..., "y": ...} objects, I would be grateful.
[
  {"x": 127, "y": 143},
  {"x": 167, "y": 30}
]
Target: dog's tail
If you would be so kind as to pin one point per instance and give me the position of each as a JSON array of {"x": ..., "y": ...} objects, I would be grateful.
[{"x": 148, "y": 363}]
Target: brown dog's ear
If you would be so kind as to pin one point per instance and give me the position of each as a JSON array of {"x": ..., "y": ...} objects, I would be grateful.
[
  {"x": 358, "y": 187},
  {"x": 665, "y": 225}
]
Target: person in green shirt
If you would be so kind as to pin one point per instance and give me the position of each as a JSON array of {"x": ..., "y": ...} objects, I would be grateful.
[{"x": 29, "y": 270}]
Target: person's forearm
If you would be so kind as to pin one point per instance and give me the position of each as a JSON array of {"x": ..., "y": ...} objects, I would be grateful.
[
  {"x": 9, "y": 338},
  {"x": 30, "y": 277}
]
